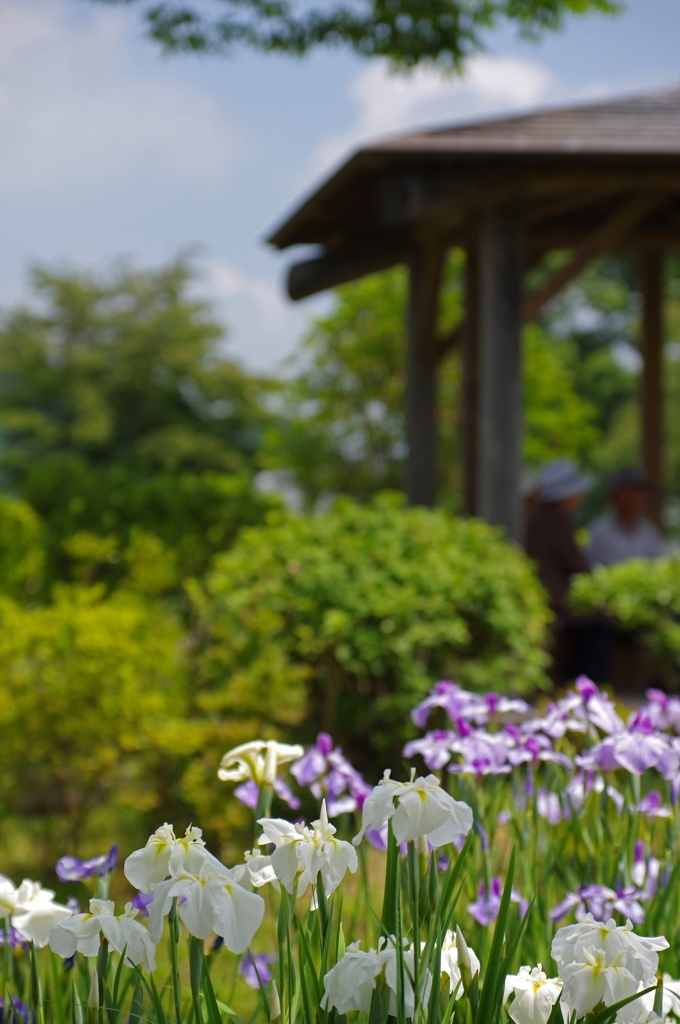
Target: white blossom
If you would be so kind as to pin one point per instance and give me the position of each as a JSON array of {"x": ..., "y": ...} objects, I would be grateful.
[
  {"x": 422, "y": 808},
  {"x": 256, "y": 871},
  {"x": 535, "y": 995},
  {"x": 596, "y": 979},
  {"x": 349, "y": 985},
  {"x": 210, "y": 900},
  {"x": 31, "y": 909},
  {"x": 573, "y": 941},
  {"x": 147, "y": 867},
  {"x": 450, "y": 964},
  {"x": 81, "y": 933},
  {"x": 302, "y": 853},
  {"x": 258, "y": 760}
]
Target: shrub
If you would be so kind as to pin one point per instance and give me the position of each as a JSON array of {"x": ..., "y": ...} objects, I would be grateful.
[
  {"x": 92, "y": 716},
  {"x": 361, "y": 608},
  {"x": 21, "y": 550},
  {"x": 643, "y": 595}
]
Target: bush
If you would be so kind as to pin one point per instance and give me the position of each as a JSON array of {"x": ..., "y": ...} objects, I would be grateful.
[
  {"x": 361, "y": 608},
  {"x": 643, "y": 595},
  {"x": 21, "y": 548},
  {"x": 92, "y": 718}
]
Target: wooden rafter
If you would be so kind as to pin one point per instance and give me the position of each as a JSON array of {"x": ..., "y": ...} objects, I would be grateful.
[{"x": 610, "y": 234}]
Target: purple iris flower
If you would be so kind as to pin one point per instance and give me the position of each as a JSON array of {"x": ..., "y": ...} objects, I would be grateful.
[
  {"x": 248, "y": 793},
  {"x": 71, "y": 869},
  {"x": 313, "y": 762},
  {"x": 15, "y": 1013},
  {"x": 434, "y": 747},
  {"x": 486, "y": 906},
  {"x": 142, "y": 901},
  {"x": 259, "y": 964},
  {"x": 483, "y": 753},
  {"x": 652, "y": 805},
  {"x": 663, "y": 710},
  {"x": 548, "y": 806},
  {"x": 328, "y": 773},
  {"x": 12, "y": 938}
]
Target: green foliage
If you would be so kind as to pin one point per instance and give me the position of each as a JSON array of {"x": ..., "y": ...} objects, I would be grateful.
[
  {"x": 405, "y": 31},
  {"x": 342, "y": 424},
  {"x": 559, "y": 422},
  {"x": 119, "y": 409},
  {"x": 363, "y": 607},
  {"x": 642, "y": 595},
  {"x": 22, "y": 554},
  {"x": 92, "y": 715}
]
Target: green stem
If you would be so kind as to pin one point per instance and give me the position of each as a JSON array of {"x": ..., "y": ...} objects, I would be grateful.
[{"x": 173, "y": 941}]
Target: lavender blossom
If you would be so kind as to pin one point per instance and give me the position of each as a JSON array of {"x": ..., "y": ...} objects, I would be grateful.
[
  {"x": 141, "y": 901},
  {"x": 15, "y": 1012},
  {"x": 330, "y": 776},
  {"x": 248, "y": 793},
  {"x": 71, "y": 869},
  {"x": 254, "y": 965},
  {"x": 434, "y": 748},
  {"x": 486, "y": 907}
]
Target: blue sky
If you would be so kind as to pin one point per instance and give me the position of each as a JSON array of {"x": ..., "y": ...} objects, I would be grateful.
[{"x": 110, "y": 149}]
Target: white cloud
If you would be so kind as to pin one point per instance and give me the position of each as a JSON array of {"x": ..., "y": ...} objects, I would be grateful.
[
  {"x": 263, "y": 327},
  {"x": 388, "y": 103},
  {"x": 74, "y": 110}
]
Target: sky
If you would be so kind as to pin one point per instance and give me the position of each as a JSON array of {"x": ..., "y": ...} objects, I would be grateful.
[{"x": 110, "y": 149}]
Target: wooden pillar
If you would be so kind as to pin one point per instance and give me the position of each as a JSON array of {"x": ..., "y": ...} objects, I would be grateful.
[
  {"x": 652, "y": 378},
  {"x": 425, "y": 268},
  {"x": 470, "y": 388},
  {"x": 501, "y": 271}
]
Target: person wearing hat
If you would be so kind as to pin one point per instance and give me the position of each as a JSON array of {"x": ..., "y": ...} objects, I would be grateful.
[
  {"x": 625, "y": 532},
  {"x": 581, "y": 644},
  {"x": 550, "y": 531}
]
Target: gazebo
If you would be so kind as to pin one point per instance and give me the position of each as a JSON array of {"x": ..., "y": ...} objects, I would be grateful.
[{"x": 588, "y": 179}]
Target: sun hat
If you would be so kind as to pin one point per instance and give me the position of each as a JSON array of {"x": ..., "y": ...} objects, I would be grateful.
[
  {"x": 628, "y": 477},
  {"x": 562, "y": 479}
]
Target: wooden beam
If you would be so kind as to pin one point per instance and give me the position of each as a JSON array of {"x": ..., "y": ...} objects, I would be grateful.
[
  {"x": 651, "y": 280},
  {"x": 469, "y": 332},
  {"x": 365, "y": 256},
  {"x": 609, "y": 234},
  {"x": 501, "y": 272},
  {"x": 425, "y": 272}
]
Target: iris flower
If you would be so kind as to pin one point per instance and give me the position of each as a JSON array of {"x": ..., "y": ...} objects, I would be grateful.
[
  {"x": 208, "y": 900},
  {"x": 417, "y": 808},
  {"x": 258, "y": 760},
  {"x": 535, "y": 995},
  {"x": 349, "y": 985},
  {"x": 81, "y": 934},
  {"x": 31, "y": 909},
  {"x": 303, "y": 853}
]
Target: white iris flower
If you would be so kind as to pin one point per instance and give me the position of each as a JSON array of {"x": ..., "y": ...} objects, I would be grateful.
[
  {"x": 303, "y": 853},
  {"x": 535, "y": 995},
  {"x": 258, "y": 760},
  {"x": 81, "y": 933},
  {"x": 31, "y": 909},
  {"x": 422, "y": 808},
  {"x": 256, "y": 872},
  {"x": 450, "y": 964},
  {"x": 147, "y": 867},
  {"x": 573, "y": 941},
  {"x": 349, "y": 985},
  {"x": 210, "y": 900}
]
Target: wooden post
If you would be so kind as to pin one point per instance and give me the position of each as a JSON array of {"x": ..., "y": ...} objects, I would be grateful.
[
  {"x": 470, "y": 388},
  {"x": 501, "y": 271},
  {"x": 652, "y": 379},
  {"x": 425, "y": 267}
]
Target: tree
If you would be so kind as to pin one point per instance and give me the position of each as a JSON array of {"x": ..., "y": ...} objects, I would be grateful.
[
  {"x": 119, "y": 408},
  {"x": 404, "y": 31}
]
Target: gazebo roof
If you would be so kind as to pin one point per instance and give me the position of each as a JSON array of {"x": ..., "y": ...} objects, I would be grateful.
[{"x": 592, "y": 153}]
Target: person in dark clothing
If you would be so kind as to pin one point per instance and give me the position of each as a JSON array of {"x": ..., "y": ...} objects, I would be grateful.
[{"x": 552, "y": 544}]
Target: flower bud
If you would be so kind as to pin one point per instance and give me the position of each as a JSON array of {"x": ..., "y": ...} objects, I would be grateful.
[
  {"x": 464, "y": 962},
  {"x": 274, "y": 1002}
]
